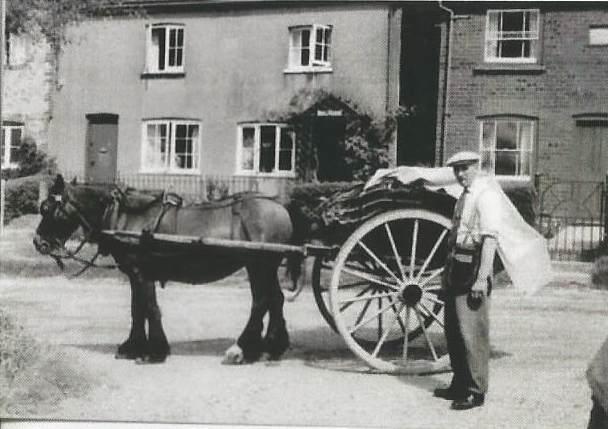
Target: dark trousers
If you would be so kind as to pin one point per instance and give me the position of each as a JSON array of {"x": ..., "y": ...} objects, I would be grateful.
[
  {"x": 467, "y": 332},
  {"x": 598, "y": 418}
]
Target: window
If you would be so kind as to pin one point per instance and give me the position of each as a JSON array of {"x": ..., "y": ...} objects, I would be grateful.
[
  {"x": 309, "y": 47},
  {"x": 266, "y": 149},
  {"x": 598, "y": 36},
  {"x": 512, "y": 36},
  {"x": 165, "y": 48},
  {"x": 170, "y": 146},
  {"x": 506, "y": 146},
  {"x": 10, "y": 142}
]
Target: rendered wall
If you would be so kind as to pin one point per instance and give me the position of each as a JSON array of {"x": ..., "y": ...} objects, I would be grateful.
[{"x": 234, "y": 63}]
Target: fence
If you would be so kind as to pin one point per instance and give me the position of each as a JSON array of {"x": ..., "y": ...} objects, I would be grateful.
[
  {"x": 199, "y": 188},
  {"x": 573, "y": 216}
]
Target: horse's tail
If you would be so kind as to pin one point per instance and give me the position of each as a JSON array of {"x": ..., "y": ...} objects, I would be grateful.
[{"x": 300, "y": 235}]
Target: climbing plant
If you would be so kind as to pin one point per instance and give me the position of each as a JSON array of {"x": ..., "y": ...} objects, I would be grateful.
[{"x": 366, "y": 142}]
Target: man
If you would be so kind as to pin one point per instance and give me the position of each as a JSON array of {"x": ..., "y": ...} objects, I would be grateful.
[
  {"x": 475, "y": 224},
  {"x": 597, "y": 376}
]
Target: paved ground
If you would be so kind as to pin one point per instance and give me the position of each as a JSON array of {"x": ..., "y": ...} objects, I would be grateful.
[{"x": 541, "y": 348}]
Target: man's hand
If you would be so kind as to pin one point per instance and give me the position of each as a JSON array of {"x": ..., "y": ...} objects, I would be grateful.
[{"x": 479, "y": 288}]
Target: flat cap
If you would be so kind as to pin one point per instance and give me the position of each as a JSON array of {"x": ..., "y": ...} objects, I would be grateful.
[{"x": 465, "y": 157}]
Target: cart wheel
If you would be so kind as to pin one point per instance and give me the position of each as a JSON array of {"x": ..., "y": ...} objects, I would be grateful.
[
  {"x": 321, "y": 279},
  {"x": 386, "y": 283}
]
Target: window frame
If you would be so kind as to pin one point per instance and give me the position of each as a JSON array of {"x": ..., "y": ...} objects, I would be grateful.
[
  {"x": 533, "y": 122},
  {"x": 294, "y": 51},
  {"x": 169, "y": 70},
  {"x": 534, "y": 39},
  {"x": 7, "y": 163},
  {"x": 256, "y": 150},
  {"x": 170, "y": 166}
]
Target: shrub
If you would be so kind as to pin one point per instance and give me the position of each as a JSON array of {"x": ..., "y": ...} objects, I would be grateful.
[
  {"x": 21, "y": 199},
  {"x": 31, "y": 161}
]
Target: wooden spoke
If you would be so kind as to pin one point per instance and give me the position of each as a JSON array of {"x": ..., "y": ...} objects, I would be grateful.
[
  {"x": 434, "y": 274},
  {"x": 430, "y": 313},
  {"x": 370, "y": 318},
  {"x": 395, "y": 252},
  {"x": 362, "y": 312},
  {"x": 406, "y": 336},
  {"x": 360, "y": 293},
  {"x": 370, "y": 297},
  {"x": 369, "y": 277},
  {"x": 414, "y": 245},
  {"x": 390, "y": 327},
  {"x": 398, "y": 313},
  {"x": 380, "y": 319},
  {"x": 426, "y": 334},
  {"x": 429, "y": 297},
  {"x": 378, "y": 261},
  {"x": 431, "y": 254}
]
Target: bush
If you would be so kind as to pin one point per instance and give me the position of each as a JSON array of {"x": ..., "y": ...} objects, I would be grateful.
[
  {"x": 600, "y": 272},
  {"x": 21, "y": 199},
  {"x": 31, "y": 161}
]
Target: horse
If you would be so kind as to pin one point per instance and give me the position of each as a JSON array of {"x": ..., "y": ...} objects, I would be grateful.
[{"x": 245, "y": 216}]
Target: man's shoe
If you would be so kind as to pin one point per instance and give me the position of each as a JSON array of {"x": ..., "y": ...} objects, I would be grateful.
[
  {"x": 471, "y": 401},
  {"x": 446, "y": 393}
]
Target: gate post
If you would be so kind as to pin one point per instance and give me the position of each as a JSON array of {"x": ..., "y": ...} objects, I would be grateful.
[{"x": 605, "y": 195}]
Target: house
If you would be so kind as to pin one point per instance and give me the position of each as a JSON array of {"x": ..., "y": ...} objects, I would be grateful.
[
  {"x": 27, "y": 81},
  {"x": 528, "y": 88},
  {"x": 245, "y": 89}
]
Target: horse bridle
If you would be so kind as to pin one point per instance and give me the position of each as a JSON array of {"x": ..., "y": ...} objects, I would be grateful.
[{"x": 89, "y": 232}]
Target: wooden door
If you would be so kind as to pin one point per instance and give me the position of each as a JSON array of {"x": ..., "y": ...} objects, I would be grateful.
[
  {"x": 101, "y": 147},
  {"x": 591, "y": 150}
]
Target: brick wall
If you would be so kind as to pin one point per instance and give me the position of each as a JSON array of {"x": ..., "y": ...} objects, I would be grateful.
[{"x": 570, "y": 78}]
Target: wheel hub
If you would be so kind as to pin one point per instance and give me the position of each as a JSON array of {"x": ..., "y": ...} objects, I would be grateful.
[{"x": 411, "y": 294}]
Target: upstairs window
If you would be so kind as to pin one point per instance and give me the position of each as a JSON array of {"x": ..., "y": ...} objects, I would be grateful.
[
  {"x": 266, "y": 149},
  {"x": 512, "y": 36},
  {"x": 506, "y": 146},
  {"x": 165, "y": 48},
  {"x": 598, "y": 36},
  {"x": 10, "y": 142},
  {"x": 309, "y": 47},
  {"x": 170, "y": 146}
]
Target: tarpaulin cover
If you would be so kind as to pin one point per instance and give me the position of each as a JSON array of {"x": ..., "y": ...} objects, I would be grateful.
[{"x": 522, "y": 249}]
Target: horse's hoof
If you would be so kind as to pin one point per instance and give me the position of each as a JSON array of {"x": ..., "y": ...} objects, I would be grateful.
[
  {"x": 150, "y": 360},
  {"x": 233, "y": 356}
]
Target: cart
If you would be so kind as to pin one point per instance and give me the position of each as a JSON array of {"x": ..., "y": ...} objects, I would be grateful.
[{"x": 378, "y": 284}]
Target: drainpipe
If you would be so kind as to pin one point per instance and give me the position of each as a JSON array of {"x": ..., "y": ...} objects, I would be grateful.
[{"x": 446, "y": 80}]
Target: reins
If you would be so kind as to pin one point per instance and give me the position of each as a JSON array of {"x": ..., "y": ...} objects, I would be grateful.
[{"x": 89, "y": 232}]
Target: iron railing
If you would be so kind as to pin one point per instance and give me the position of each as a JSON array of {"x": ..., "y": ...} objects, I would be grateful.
[{"x": 573, "y": 216}]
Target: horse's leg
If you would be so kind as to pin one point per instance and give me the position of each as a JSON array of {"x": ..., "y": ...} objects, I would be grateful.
[
  {"x": 135, "y": 345},
  {"x": 276, "y": 340},
  {"x": 158, "y": 346},
  {"x": 249, "y": 342}
]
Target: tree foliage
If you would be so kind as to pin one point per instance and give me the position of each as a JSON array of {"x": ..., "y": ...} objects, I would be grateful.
[{"x": 50, "y": 18}]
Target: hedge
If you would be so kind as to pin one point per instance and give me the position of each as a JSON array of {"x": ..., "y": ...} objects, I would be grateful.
[{"x": 21, "y": 199}]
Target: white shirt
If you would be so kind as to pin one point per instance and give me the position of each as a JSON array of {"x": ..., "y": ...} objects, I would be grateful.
[{"x": 478, "y": 211}]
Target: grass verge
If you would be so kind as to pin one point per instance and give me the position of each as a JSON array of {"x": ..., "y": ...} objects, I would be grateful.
[{"x": 34, "y": 376}]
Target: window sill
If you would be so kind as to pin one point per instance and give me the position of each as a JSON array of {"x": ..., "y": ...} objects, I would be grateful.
[
  {"x": 172, "y": 172},
  {"x": 162, "y": 75},
  {"x": 308, "y": 70},
  {"x": 252, "y": 174},
  {"x": 509, "y": 68}
]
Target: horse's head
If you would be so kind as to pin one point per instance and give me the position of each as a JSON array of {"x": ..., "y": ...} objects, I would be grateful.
[{"x": 65, "y": 210}]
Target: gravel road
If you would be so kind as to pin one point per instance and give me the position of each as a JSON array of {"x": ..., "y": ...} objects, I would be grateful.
[{"x": 541, "y": 346}]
